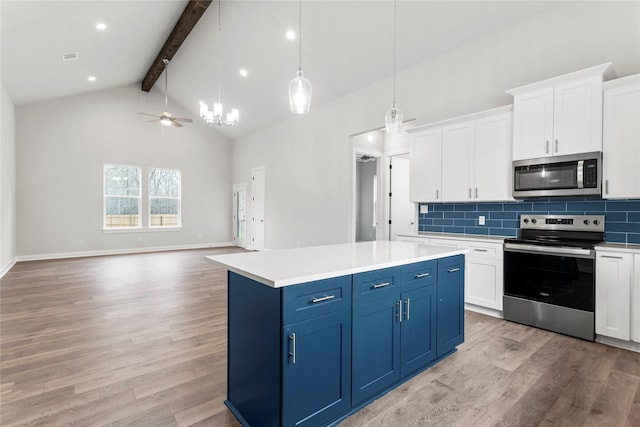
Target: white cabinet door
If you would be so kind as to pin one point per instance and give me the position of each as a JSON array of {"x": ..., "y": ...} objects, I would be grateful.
[
  {"x": 493, "y": 171},
  {"x": 426, "y": 164},
  {"x": 447, "y": 243},
  {"x": 621, "y": 145},
  {"x": 635, "y": 301},
  {"x": 533, "y": 124},
  {"x": 484, "y": 275},
  {"x": 577, "y": 117},
  {"x": 613, "y": 290},
  {"x": 457, "y": 162}
]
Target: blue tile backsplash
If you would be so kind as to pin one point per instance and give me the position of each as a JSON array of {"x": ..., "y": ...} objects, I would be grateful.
[{"x": 622, "y": 217}]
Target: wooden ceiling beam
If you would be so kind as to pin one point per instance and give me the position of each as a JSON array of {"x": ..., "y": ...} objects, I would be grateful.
[{"x": 190, "y": 16}]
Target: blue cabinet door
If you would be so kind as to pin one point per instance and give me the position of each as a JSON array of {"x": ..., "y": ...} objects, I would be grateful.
[
  {"x": 450, "y": 303},
  {"x": 418, "y": 332},
  {"x": 316, "y": 370},
  {"x": 376, "y": 347}
]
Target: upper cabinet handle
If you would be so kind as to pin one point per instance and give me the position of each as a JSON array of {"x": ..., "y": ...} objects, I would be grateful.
[
  {"x": 556, "y": 145},
  {"x": 606, "y": 186},
  {"x": 547, "y": 149},
  {"x": 324, "y": 298}
]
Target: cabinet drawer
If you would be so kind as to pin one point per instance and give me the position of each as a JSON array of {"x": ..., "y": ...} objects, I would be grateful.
[
  {"x": 418, "y": 275},
  {"x": 484, "y": 250},
  {"x": 447, "y": 243},
  {"x": 377, "y": 284},
  {"x": 314, "y": 299}
]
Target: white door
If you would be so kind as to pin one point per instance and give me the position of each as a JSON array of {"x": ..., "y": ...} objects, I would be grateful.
[
  {"x": 401, "y": 210},
  {"x": 239, "y": 215},
  {"x": 258, "y": 208}
]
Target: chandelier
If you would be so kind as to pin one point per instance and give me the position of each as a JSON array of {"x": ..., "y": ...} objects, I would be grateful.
[
  {"x": 216, "y": 116},
  {"x": 300, "y": 86}
]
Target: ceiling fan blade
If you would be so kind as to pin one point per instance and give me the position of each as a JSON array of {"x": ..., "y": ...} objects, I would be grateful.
[
  {"x": 154, "y": 121},
  {"x": 184, "y": 120},
  {"x": 150, "y": 115},
  {"x": 176, "y": 124}
]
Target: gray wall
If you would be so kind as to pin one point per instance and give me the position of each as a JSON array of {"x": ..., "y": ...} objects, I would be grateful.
[
  {"x": 61, "y": 146},
  {"x": 309, "y": 159},
  {"x": 7, "y": 183},
  {"x": 365, "y": 171}
]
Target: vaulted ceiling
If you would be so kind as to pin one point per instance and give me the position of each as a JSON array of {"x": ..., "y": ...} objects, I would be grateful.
[{"x": 346, "y": 46}]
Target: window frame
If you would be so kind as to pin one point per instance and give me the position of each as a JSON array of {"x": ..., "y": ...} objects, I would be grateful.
[
  {"x": 179, "y": 199},
  {"x": 105, "y": 196}
]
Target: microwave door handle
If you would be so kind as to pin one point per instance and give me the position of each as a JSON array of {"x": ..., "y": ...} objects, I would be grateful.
[{"x": 580, "y": 173}]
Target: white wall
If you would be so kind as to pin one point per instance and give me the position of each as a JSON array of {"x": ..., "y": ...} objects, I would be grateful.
[
  {"x": 7, "y": 183},
  {"x": 309, "y": 159},
  {"x": 61, "y": 146}
]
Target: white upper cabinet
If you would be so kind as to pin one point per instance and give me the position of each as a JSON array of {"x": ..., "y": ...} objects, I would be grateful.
[
  {"x": 426, "y": 165},
  {"x": 621, "y": 144},
  {"x": 562, "y": 115},
  {"x": 464, "y": 159}
]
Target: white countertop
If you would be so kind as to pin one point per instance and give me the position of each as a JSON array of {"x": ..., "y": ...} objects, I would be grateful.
[
  {"x": 456, "y": 236},
  {"x": 619, "y": 247},
  {"x": 285, "y": 267}
]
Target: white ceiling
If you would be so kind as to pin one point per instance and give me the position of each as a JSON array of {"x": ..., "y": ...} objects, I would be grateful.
[{"x": 347, "y": 45}]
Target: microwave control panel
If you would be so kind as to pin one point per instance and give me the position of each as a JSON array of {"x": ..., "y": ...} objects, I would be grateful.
[{"x": 590, "y": 177}]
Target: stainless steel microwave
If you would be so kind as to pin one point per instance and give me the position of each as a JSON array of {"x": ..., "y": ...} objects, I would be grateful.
[{"x": 558, "y": 176}]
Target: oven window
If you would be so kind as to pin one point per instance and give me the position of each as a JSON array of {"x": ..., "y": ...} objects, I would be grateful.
[
  {"x": 546, "y": 177},
  {"x": 553, "y": 279}
]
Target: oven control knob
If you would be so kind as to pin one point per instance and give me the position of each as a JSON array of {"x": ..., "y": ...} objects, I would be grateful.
[
  {"x": 596, "y": 222},
  {"x": 526, "y": 220},
  {"x": 533, "y": 221},
  {"x": 586, "y": 222}
]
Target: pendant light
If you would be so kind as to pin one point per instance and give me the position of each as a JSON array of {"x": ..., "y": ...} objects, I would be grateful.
[
  {"x": 393, "y": 118},
  {"x": 216, "y": 117},
  {"x": 300, "y": 86}
]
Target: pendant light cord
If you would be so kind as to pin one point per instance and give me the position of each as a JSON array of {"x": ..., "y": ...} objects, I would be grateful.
[
  {"x": 219, "y": 52},
  {"x": 395, "y": 35},
  {"x": 300, "y": 37}
]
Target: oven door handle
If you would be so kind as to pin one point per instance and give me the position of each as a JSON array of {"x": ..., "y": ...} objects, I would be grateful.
[{"x": 550, "y": 250}]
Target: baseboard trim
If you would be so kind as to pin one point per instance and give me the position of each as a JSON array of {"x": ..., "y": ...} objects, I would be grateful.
[
  {"x": 42, "y": 257},
  {"x": 484, "y": 310},
  {"x": 8, "y": 267},
  {"x": 614, "y": 342}
]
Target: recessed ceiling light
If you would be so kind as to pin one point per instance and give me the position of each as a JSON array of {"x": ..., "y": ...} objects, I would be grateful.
[
  {"x": 91, "y": 78},
  {"x": 101, "y": 26},
  {"x": 243, "y": 72},
  {"x": 291, "y": 35},
  {"x": 369, "y": 138}
]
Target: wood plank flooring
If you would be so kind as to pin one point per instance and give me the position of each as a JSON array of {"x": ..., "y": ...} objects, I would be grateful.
[{"x": 140, "y": 340}]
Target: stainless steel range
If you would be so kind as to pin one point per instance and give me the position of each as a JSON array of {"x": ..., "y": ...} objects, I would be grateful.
[{"x": 549, "y": 273}]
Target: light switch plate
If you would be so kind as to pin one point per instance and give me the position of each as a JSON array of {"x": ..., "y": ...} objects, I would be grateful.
[
  {"x": 424, "y": 209},
  {"x": 481, "y": 220}
]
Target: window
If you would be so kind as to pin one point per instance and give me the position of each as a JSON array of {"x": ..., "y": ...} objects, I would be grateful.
[
  {"x": 121, "y": 196},
  {"x": 164, "y": 198}
]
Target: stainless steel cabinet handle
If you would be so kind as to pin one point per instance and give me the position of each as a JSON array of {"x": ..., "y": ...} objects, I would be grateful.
[
  {"x": 421, "y": 275},
  {"x": 292, "y": 353},
  {"x": 556, "y": 145},
  {"x": 480, "y": 250},
  {"x": 453, "y": 270},
  {"x": 324, "y": 298},
  {"x": 476, "y": 192},
  {"x": 380, "y": 285},
  {"x": 611, "y": 256},
  {"x": 469, "y": 192},
  {"x": 547, "y": 149},
  {"x": 406, "y": 313},
  {"x": 437, "y": 194},
  {"x": 606, "y": 186},
  {"x": 399, "y": 306}
]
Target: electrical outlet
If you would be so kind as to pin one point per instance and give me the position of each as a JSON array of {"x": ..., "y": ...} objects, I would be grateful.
[
  {"x": 424, "y": 209},
  {"x": 481, "y": 220}
]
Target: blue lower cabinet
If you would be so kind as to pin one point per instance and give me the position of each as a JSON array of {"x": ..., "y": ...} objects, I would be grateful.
[
  {"x": 418, "y": 337},
  {"x": 450, "y": 317},
  {"x": 316, "y": 370},
  {"x": 376, "y": 347}
]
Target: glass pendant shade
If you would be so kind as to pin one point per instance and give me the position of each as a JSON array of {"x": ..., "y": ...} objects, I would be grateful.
[
  {"x": 300, "y": 94},
  {"x": 393, "y": 120}
]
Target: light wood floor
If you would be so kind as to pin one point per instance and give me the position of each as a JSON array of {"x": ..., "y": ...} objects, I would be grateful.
[{"x": 140, "y": 340}]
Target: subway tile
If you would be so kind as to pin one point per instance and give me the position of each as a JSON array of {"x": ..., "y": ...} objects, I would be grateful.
[
  {"x": 503, "y": 232},
  {"x": 586, "y": 206},
  {"x": 475, "y": 215},
  {"x": 443, "y": 207},
  {"x": 465, "y": 207},
  {"x": 622, "y": 227},
  {"x": 459, "y": 230},
  {"x": 464, "y": 223},
  {"x": 433, "y": 215},
  {"x": 613, "y": 216},
  {"x": 615, "y": 237},
  {"x": 574, "y": 213},
  {"x": 510, "y": 224},
  {"x": 503, "y": 215},
  {"x": 426, "y": 221},
  {"x": 519, "y": 207},
  {"x": 476, "y": 230},
  {"x": 634, "y": 217},
  {"x": 491, "y": 206},
  {"x": 550, "y": 207},
  {"x": 623, "y": 205},
  {"x": 492, "y": 223},
  {"x": 633, "y": 238},
  {"x": 442, "y": 222},
  {"x": 433, "y": 228},
  {"x": 454, "y": 214}
]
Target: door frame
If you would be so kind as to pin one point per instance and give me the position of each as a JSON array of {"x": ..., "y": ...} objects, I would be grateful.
[
  {"x": 354, "y": 190},
  {"x": 236, "y": 189},
  {"x": 253, "y": 208},
  {"x": 386, "y": 211}
]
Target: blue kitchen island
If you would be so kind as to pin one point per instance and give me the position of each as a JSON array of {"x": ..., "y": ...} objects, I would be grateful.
[{"x": 317, "y": 333}]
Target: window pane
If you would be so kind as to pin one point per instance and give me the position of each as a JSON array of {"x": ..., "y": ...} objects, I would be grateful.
[
  {"x": 122, "y": 212},
  {"x": 164, "y": 183},
  {"x": 164, "y": 206},
  {"x": 120, "y": 180}
]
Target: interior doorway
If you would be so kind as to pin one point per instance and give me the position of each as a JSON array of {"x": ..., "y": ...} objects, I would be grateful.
[
  {"x": 401, "y": 211},
  {"x": 258, "y": 208},
  {"x": 367, "y": 195},
  {"x": 239, "y": 215}
]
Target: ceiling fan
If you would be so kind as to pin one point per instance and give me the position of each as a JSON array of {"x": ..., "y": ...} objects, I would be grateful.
[{"x": 166, "y": 118}]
